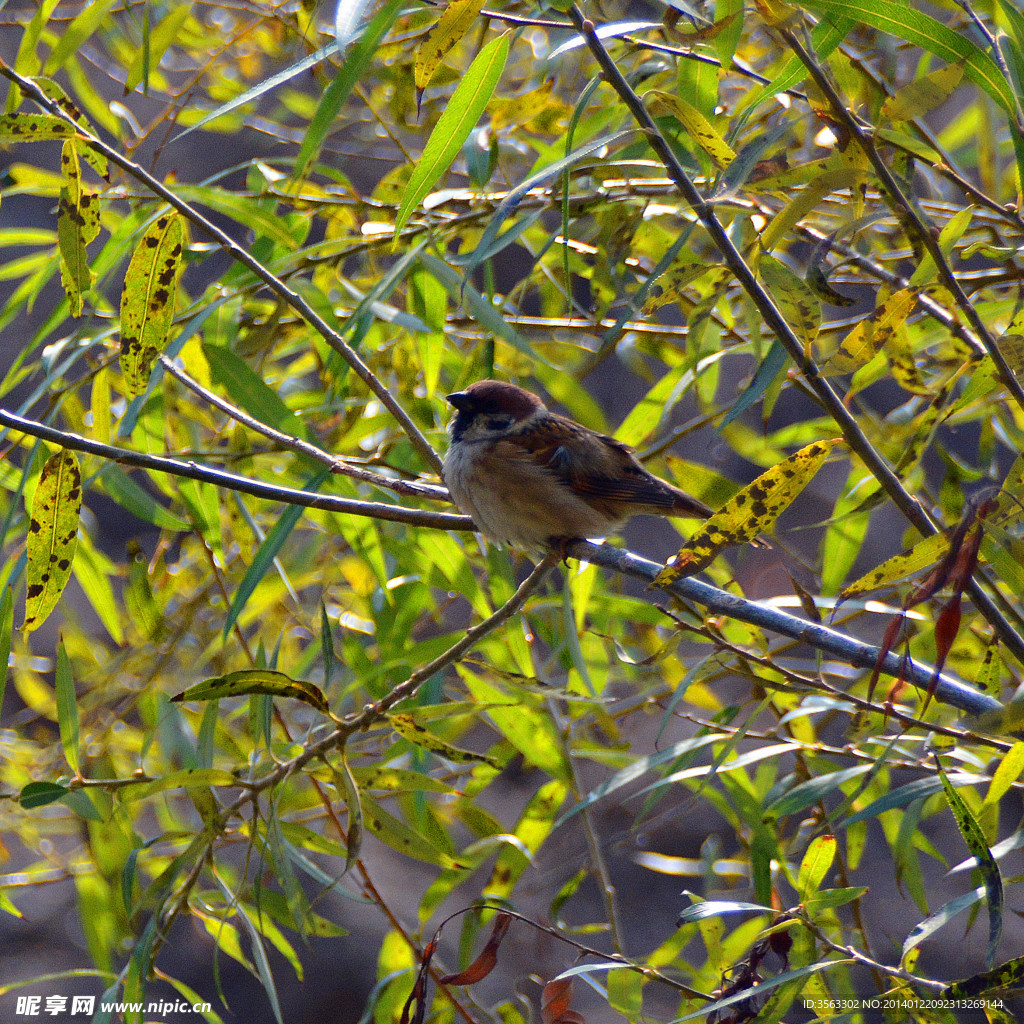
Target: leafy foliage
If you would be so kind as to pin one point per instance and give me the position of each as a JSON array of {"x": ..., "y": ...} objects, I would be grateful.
[{"x": 794, "y": 232}]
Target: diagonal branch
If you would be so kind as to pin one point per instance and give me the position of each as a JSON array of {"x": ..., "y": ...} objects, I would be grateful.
[
  {"x": 854, "y": 652},
  {"x": 176, "y": 467},
  {"x": 777, "y": 323}
]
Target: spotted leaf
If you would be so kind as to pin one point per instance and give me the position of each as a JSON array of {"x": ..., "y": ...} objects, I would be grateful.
[
  {"x": 52, "y": 536},
  {"x": 78, "y": 223},
  {"x": 33, "y": 128},
  {"x": 453, "y": 24},
  {"x": 866, "y": 339},
  {"x": 256, "y": 680},
  {"x": 752, "y": 511},
  {"x": 147, "y": 302}
]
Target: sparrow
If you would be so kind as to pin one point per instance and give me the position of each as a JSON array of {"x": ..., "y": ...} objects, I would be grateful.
[{"x": 529, "y": 477}]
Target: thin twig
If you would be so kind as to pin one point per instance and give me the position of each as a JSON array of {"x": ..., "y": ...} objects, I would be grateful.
[
  {"x": 296, "y": 444},
  {"x": 908, "y": 214}
]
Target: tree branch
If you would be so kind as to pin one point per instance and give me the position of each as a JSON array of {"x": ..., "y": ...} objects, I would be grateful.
[
  {"x": 162, "y": 464},
  {"x": 776, "y": 322},
  {"x": 854, "y": 652}
]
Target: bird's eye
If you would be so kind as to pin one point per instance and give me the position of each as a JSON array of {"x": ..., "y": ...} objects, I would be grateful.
[{"x": 499, "y": 422}]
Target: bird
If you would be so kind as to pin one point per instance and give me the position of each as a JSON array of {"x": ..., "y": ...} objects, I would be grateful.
[{"x": 537, "y": 480}]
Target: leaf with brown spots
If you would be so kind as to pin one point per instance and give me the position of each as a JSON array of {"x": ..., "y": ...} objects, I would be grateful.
[
  {"x": 48, "y": 87},
  {"x": 697, "y": 126},
  {"x": 795, "y": 299},
  {"x": 256, "y": 680},
  {"x": 147, "y": 302},
  {"x": 406, "y": 726},
  {"x": 52, "y": 536},
  {"x": 78, "y": 223},
  {"x": 750, "y": 512},
  {"x": 868, "y": 337},
  {"x": 33, "y": 128},
  {"x": 453, "y": 24}
]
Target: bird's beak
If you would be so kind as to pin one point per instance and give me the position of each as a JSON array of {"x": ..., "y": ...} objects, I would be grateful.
[{"x": 459, "y": 399}]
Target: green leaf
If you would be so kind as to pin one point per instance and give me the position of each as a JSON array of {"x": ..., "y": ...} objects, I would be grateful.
[
  {"x": 268, "y": 551},
  {"x": 941, "y": 917},
  {"x": 186, "y": 778},
  {"x": 399, "y": 836},
  {"x": 147, "y": 302},
  {"x": 81, "y": 28},
  {"x": 479, "y": 308},
  {"x": 987, "y": 866},
  {"x": 1006, "y": 774},
  {"x": 811, "y": 791},
  {"x": 453, "y": 127},
  {"x": 351, "y": 71},
  {"x": 52, "y": 536},
  {"x": 815, "y": 866},
  {"x": 38, "y": 794},
  {"x": 904, "y": 795},
  {"x": 67, "y": 707},
  {"x": 77, "y": 225},
  {"x": 249, "y": 391},
  {"x": 256, "y": 680},
  {"x": 131, "y": 496},
  {"x": 160, "y": 38}
]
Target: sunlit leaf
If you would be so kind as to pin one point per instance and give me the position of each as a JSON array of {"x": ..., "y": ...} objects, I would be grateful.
[
  {"x": 147, "y": 302},
  {"x": 52, "y": 536},
  {"x": 752, "y": 511},
  {"x": 255, "y": 680},
  {"x": 458, "y": 120}
]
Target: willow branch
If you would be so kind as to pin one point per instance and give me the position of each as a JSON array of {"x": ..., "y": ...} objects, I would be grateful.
[
  {"x": 909, "y": 215},
  {"x": 219, "y": 478},
  {"x": 300, "y": 447},
  {"x": 777, "y": 323},
  {"x": 839, "y": 645}
]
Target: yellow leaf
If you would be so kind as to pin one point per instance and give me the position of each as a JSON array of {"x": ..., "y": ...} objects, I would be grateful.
[
  {"x": 750, "y": 512},
  {"x": 866, "y": 339},
  {"x": 52, "y": 536},
  {"x": 697, "y": 126},
  {"x": 451, "y": 27},
  {"x": 147, "y": 302},
  {"x": 408, "y": 727},
  {"x": 920, "y": 96},
  {"x": 923, "y": 554},
  {"x": 256, "y": 680}
]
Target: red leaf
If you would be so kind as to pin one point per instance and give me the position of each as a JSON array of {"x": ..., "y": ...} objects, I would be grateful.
[
  {"x": 484, "y": 963},
  {"x": 555, "y": 1000}
]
